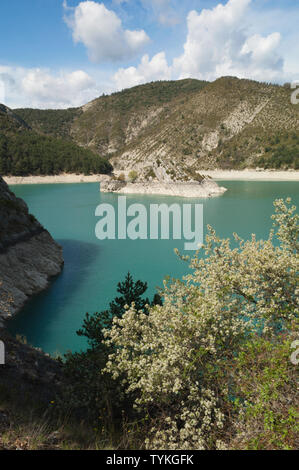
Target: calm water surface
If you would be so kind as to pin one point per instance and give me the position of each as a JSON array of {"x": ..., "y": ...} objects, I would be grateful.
[{"x": 93, "y": 268}]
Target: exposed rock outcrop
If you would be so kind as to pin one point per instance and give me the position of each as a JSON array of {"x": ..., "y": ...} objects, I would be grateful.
[
  {"x": 205, "y": 188},
  {"x": 29, "y": 256}
]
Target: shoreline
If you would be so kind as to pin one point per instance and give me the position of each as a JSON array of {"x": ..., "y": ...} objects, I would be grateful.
[
  {"x": 221, "y": 175},
  {"x": 64, "y": 178},
  {"x": 251, "y": 175}
]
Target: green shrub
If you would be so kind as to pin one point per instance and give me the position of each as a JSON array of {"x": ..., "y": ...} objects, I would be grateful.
[
  {"x": 133, "y": 175},
  {"x": 266, "y": 383}
]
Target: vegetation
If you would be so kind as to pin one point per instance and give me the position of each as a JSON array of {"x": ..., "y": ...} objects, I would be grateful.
[
  {"x": 24, "y": 152},
  {"x": 110, "y": 122},
  {"x": 182, "y": 126},
  {"x": 281, "y": 152},
  {"x": 266, "y": 380},
  {"x": 32, "y": 154},
  {"x": 210, "y": 367},
  {"x": 90, "y": 395},
  {"x": 192, "y": 125},
  {"x": 54, "y": 122},
  {"x": 133, "y": 175}
]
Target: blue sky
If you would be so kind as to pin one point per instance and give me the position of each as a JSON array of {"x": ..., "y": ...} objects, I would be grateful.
[{"x": 61, "y": 53}]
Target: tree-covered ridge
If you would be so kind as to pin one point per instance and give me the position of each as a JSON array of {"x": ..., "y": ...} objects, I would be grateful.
[
  {"x": 170, "y": 130},
  {"x": 24, "y": 152},
  {"x": 155, "y": 93},
  {"x": 281, "y": 151},
  {"x": 54, "y": 122}
]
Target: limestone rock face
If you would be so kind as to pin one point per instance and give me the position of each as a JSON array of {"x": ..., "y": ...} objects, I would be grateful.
[
  {"x": 29, "y": 256},
  {"x": 204, "y": 189},
  {"x": 110, "y": 185}
]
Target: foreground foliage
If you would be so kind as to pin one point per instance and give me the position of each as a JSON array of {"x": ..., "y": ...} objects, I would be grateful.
[
  {"x": 90, "y": 394},
  {"x": 266, "y": 382},
  {"x": 174, "y": 361},
  {"x": 211, "y": 367}
]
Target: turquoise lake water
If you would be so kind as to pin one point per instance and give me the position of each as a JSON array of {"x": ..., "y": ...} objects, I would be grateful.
[{"x": 93, "y": 268}]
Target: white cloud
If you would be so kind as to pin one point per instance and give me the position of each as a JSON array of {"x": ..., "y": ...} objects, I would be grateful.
[
  {"x": 102, "y": 33},
  {"x": 218, "y": 43},
  {"x": 147, "y": 71},
  {"x": 42, "y": 89}
]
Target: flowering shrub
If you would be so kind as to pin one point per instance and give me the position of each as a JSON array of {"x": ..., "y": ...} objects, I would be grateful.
[{"x": 175, "y": 359}]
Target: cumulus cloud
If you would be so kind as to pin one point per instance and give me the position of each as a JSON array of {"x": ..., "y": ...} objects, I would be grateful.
[
  {"x": 217, "y": 44},
  {"x": 42, "y": 89},
  {"x": 147, "y": 71},
  {"x": 102, "y": 33}
]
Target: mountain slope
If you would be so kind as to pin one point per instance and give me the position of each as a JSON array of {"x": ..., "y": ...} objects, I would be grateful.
[
  {"x": 25, "y": 152},
  {"x": 54, "y": 122},
  {"x": 171, "y": 130}
]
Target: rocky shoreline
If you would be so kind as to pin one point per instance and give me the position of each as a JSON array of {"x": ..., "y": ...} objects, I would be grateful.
[
  {"x": 204, "y": 189},
  {"x": 229, "y": 175},
  {"x": 29, "y": 257}
]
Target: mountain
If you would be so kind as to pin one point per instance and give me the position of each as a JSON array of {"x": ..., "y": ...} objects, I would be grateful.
[
  {"x": 24, "y": 151},
  {"x": 171, "y": 130}
]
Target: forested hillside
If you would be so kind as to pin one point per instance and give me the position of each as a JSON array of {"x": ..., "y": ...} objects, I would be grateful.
[
  {"x": 171, "y": 130},
  {"x": 25, "y": 152},
  {"x": 167, "y": 131},
  {"x": 54, "y": 122}
]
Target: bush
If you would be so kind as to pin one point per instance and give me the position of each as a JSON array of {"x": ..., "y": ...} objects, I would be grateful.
[
  {"x": 133, "y": 175},
  {"x": 266, "y": 382},
  {"x": 174, "y": 360}
]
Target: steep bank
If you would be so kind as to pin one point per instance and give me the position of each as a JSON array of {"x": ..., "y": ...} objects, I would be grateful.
[{"x": 29, "y": 256}]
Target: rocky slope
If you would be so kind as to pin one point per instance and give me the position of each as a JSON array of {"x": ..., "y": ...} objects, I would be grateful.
[
  {"x": 169, "y": 131},
  {"x": 29, "y": 256}
]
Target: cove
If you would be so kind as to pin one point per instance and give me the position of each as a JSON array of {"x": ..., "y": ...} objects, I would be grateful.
[{"x": 94, "y": 267}]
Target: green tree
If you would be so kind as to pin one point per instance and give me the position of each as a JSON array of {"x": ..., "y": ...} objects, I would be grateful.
[
  {"x": 94, "y": 396},
  {"x": 130, "y": 291}
]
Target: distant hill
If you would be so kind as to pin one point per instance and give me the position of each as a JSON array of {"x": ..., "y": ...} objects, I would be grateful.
[
  {"x": 53, "y": 122},
  {"x": 172, "y": 129},
  {"x": 25, "y": 152}
]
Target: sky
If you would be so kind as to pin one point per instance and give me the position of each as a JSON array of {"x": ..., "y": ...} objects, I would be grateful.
[{"x": 64, "y": 53}]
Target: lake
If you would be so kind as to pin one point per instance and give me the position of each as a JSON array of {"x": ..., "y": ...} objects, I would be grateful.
[{"x": 93, "y": 267}]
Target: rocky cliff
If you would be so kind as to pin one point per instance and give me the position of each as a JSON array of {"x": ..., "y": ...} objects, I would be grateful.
[{"x": 29, "y": 256}]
